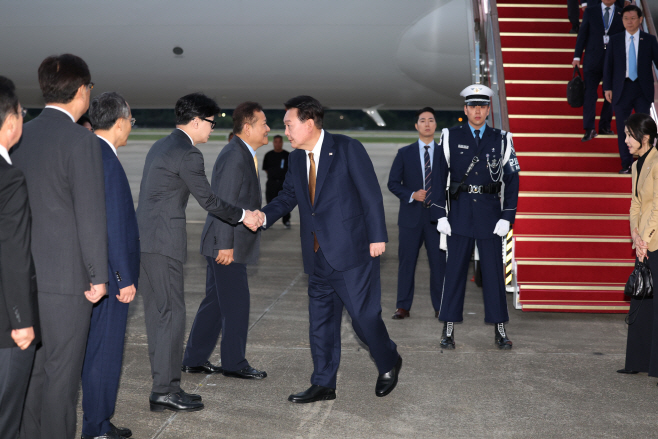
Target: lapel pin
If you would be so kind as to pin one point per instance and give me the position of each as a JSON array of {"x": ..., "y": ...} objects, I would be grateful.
[{"x": 331, "y": 153}]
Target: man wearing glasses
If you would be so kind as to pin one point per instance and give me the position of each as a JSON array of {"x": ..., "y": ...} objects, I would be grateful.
[
  {"x": 63, "y": 169},
  {"x": 174, "y": 168}
]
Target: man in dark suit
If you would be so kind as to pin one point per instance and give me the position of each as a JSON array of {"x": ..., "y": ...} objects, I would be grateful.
[
  {"x": 63, "y": 169},
  {"x": 275, "y": 165},
  {"x": 343, "y": 234},
  {"x": 112, "y": 121},
  {"x": 599, "y": 23},
  {"x": 628, "y": 75},
  {"x": 410, "y": 180},
  {"x": 173, "y": 169},
  {"x": 228, "y": 249},
  {"x": 18, "y": 300}
]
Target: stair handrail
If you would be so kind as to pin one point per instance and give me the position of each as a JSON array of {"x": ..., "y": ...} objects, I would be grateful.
[{"x": 650, "y": 28}]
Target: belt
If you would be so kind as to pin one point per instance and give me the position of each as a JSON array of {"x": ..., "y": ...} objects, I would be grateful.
[{"x": 492, "y": 188}]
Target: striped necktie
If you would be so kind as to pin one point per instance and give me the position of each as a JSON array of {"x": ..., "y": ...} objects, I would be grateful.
[{"x": 428, "y": 177}]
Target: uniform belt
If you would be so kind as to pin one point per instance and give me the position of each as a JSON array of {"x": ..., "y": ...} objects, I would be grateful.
[{"x": 492, "y": 188}]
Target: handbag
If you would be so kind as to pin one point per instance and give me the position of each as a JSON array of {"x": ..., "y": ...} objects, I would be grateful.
[
  {"x": 576, "y": 89},
  {"x": 640, "y": 282}
]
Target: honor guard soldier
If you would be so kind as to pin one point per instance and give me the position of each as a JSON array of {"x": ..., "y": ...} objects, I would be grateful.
[{"x": 477, "y": 160}]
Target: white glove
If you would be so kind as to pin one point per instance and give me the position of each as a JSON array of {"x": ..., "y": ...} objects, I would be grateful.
[
  {"x": 502, "y": 227},
  {"x": 443, "y": 226}
]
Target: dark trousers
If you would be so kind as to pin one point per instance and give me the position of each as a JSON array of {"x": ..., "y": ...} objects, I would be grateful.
[
  {"x": 410, "y": 241},
  {"x": 460, "y": 249},
  {"x": 272, "y": 188},
  {"x": 102, "y": 366},
  {"x": 50, "y": 404},
  {"x": 592, "y": 79},
  {"x": 161, "y": 285},
  {"x": 573, "y": 12},
  {"x": 225, "y": 309},
  {"x": 631, "y": 99},
  {"x": 359, "y": 290},
  {"x": 15, "y": 366}
]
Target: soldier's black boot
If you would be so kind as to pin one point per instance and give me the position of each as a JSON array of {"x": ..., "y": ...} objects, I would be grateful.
[
  {"x": 501, "y": 339},
  {"x": 447, "y": 337}
]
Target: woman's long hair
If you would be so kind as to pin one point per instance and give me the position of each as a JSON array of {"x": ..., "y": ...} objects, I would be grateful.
[{"x": 640, "y": 125}]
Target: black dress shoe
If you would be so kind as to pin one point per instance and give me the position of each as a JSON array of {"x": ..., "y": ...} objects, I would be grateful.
[
  {"x": 436, "y": 314},
  {"x": 206, "y": 368},
  {"x": 626, "y": 371},
  {"x": 190, "y": 396},
  {"x": 174, "y": 402},
  {"x": 386, "y": 382},
  {"x": 400, "y": 314},
  {"x": 501, "y": 339},
  {"x": 605, "y": 131},
  {"x": 447, "y": 337},
  {"x": 574, "y": 30},
  {"x": 247, "y": 373},
  {"x": 313, "y": 394},
  {"x": 121, "y": 431},
  {"x": 628, "y": 170},
  {"x": 589, "y": 135},
  {"x": 109, "y": 435}
]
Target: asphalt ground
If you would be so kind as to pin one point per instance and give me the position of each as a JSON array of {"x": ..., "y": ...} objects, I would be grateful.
[{"x": 558, "y": 381}]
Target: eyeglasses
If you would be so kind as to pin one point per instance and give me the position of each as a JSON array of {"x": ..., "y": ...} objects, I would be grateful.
[
  {"x": 90, "y": 86},
  {"x": 23, "y": 112},
  {"x": 211, "y": 122},
  {"x": 132, "y": 121}
]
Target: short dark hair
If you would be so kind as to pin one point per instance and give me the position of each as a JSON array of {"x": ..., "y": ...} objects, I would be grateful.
[
  {"x": 8, "y": 99},
  {"x": 106, "y": 109},
  {"x": 631, "y": 8},
  {"x": 194, "y": 105},
  {"x": 244, "y": 113},
  {"x": 278, "y": 136},
  {"x": 60, "y": 77},
  {"x": 425, "y": 110},
  {"x": 307, "y": 108},
  {"x": 640, "y": 125}
]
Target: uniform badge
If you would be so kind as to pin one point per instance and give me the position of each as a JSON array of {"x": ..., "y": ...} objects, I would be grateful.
[{"x": 462, "y": 146}]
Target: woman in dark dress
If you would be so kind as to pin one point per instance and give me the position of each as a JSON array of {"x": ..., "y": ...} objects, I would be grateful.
[{"x": 642, "y": 343}]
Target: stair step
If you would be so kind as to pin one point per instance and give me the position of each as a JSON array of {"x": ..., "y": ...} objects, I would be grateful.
[
  {"x": 525, "y": 10},
  {"x": 610, "y": 247},
  {"x": 574, "y": 202},
  {"x": 575, "y": 182},
  {"x": 573, "y": 270},
  {"x": 538, "y": 72},
  {"x": 544, "y": 25},
  {"x": 574, "y": 291},
  {"x": 557, "y": 124},
  {"x": 618, "y": 306},
  {"x": 544, "y": 88},
  {"x": 571, "y": 224},
  {"x": 569, "y": 161},
  {"x": 521, "y": 55},
  {"x": 533, "y": 2},
  {"x": 548, "y": 40},
  {"x": 548, "y": 142},
  {"x": 546, "y": 106}
]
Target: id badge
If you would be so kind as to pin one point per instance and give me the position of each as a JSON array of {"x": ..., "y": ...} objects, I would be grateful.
[{"x": 606, "y": 39}]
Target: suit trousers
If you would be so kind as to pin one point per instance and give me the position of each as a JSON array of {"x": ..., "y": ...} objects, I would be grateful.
[
  {"x": 631, "y": 99},
  {"x": 573, "y": 12},
  {"x": 359, "y": 290},
  {"x": 225, "y": 309},
  {"x": 460, "y": 249},
  {"x": 161, "y": 285},
  {"x": 15, "y": 366},
  {"x": 102, "y": 366},
  {"x": 272, "y": 188},
  {"x": 50, "y": 404},
  {"x": 592, "y": 79},
  {"x": 410, "y": 241}
]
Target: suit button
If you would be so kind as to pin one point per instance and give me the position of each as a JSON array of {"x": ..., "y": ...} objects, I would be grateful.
[
  {"x": 474, "y": 200},
  {"x": 476, "y": 173},
  {"x": 313, "y": 214}
]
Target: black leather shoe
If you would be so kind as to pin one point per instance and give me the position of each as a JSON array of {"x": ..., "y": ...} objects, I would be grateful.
[
  {"x": 386, "y": 382},
  {"x": 574, "y": 30},
  {"x": 247, "y": 373},
  {"x": 109, "y": 435},
  {"x": 400, "y": 314},
  {"x": 626, "y": 170},
  {"x": 589, "y": 135},
  {"x": 501, "y": 339},
  {"x": 123, "y": 432},
  {"x": 447, "y": 337},
  {"x": 436, "y": 314},
  {"x": 626, "y": 371},
  {"x": 174, "y": 402},
  {"x": 313, "y": 394},
  {"x": 190, "y": 396},
  {"x": 206, "y": 368},
  {"x": 605, "y": 131}
]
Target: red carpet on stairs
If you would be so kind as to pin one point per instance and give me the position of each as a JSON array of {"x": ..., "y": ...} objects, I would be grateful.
[{"x": 573, "y": 248}]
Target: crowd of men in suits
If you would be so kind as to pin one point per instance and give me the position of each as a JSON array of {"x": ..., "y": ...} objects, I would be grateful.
[{"x": 618, "y": 52}]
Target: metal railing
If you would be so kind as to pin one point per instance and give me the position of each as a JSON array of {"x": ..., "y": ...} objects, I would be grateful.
[{"x": 648, "y": 27}]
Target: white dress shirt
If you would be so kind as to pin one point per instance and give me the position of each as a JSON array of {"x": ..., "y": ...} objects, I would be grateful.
[
  {"x": 612, "y": 11},
  {"x": 109, "y": 143},
  {"x": 62, "y": 110},
  {"x": 316, "y": 155},
  {"x": 422, "y": 145},
  {"x": 636, "y": 43},
  {"x": 188, "y": 136},
  {"x": 5, "y": 154}
]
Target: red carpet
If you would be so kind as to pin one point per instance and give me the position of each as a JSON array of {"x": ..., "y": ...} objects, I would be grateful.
[{"x": 573, "y": 248}]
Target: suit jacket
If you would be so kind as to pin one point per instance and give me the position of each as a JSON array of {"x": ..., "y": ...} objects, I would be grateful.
[
  {"x": 643, "y": 214},
  {"x": 614, "y": 73},
  {"x": 122, "y": 230},
  {"x": 405, "y": 178},
  {"x": 234, "y": 179},
  {"x": 348, "y": 213},
  {"x": 63, "y": 169},
  {"x": 174, "y": 168},
  {"x": 590, "y": 37},
  {"x": 18, "y": 292}
]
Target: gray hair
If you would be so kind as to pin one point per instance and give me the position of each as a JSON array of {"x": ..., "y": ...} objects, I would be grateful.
[{"x": 106, "y": 109}]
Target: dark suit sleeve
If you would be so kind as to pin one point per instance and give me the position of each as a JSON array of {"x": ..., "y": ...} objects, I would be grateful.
[
  {"x": 583, "y": 35},
  {"x": 85, "y": 170},
  {"x": 117, "y": 227},
  {"x": 15, "y": 256},
  {"x": 365, "y": 179},
  {"x": 284, "y": 202},
  {"x": 228, "y": 173},
  {"x": 395, "y": 179},
  {"x": 608, "y": 65},
  {"x": 193, "y": 173}
]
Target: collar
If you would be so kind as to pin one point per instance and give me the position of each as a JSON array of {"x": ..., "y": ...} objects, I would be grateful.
[
  {"x": 109, "y": 143},
  {"x": 603, "y": 6},
  {"x": 318, "y": 147},
  {"x": 251, "y": 150},
  {"x": 62, "y": 110},
  {"x": 484, "y": 127},
  {"x": 188, "y": 136},
  {"x": 422, "y": 144},
  {"x": 628, "y": 35},
  {"x": 5, "y": 154}
]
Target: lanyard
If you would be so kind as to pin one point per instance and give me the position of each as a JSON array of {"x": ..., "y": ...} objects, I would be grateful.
[{"x": 612, "y": 16}]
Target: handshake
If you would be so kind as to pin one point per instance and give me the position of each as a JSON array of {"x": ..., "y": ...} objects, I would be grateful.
[{"x": 253, "y": 219}]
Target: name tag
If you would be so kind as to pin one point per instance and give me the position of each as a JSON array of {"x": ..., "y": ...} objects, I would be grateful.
[
  {"x": 462, "y": 146},
  {"x": 606, "y": 39}
]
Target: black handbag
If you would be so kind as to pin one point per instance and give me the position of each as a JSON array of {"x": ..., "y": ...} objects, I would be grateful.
[
  {"x": 640, "y": 283},
  {"x": 576, "y": 89}
]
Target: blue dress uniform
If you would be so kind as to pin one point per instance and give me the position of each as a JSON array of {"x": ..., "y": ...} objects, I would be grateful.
[{"x": 474, "y": 215}]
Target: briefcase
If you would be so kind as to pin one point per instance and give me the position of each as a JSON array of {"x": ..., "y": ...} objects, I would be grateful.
[{"x": 576, "y": 89}]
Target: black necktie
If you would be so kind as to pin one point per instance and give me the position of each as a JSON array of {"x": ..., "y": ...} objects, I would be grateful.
[
  {"x": 477, "y": 139},
  {"x": 606, "y": 18},
  {"x": 428, "y": 177}
]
